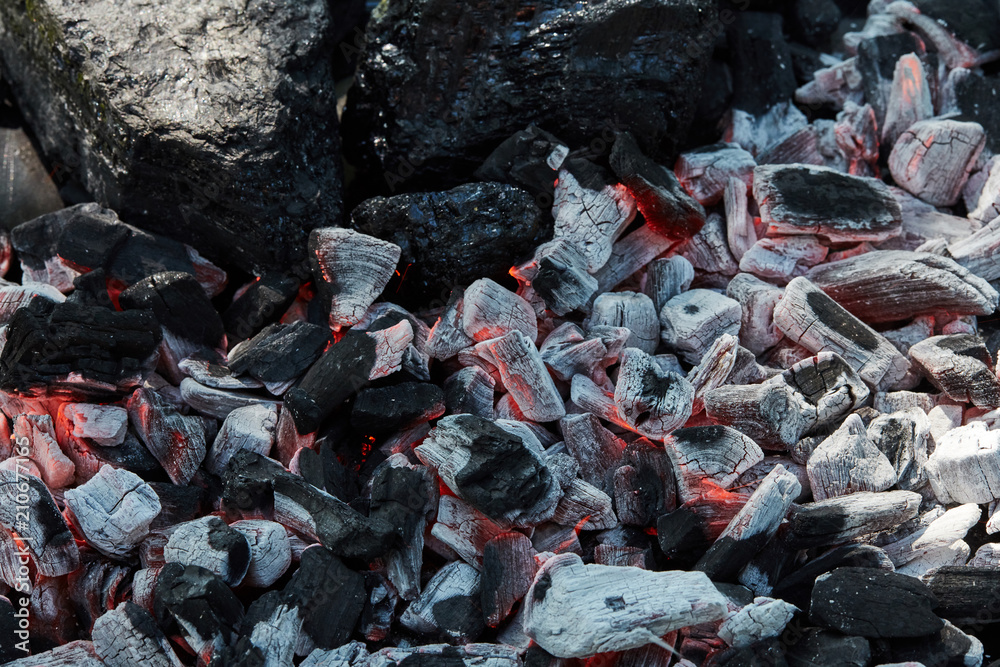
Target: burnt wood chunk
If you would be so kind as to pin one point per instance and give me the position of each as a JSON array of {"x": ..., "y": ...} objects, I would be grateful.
[
  {"x": 252, "y": 427},
  {"x": 979, "y": 252},
  {"x": 508, "y": 570},
  {"x": 36, "y": 435},
  {"x": 664, "y": 204},
  {"x": 649, "y": 400},
  {"x": 963, "y": 593},
  {"x": 584, "y": 506},
  {"x": 494, "y": 470},
  {"x": 215, "y": 375},
  {"x": 965, "y": 465},
  {"x": 181, "y": 307},
  {"x": 932, "y": 158},
  {"x": 666, "y": 278},
  {"x": 350, "y": 270},
  {"x": 470, "y": 390},
  {"x": 960, "y": 366},
  {"x": 447, "y": 337},
  {"x": 523, "y": 373},
  {"x": 198, "y": 606},
  {"x": 78, "y": 653},
  {"x": 270, "y": 550},
  {"x": 114, "y": 510},
  {"x": 691, "y": 321},
  {"x": 464, "y": 529},
  {"x": 632, "y": 310},
  {"x": 104, "y": 425},
  {"x": 219, "y": 403},
  {"x": 891, "y": 285},
  {"x": 45, "y": 533},
  {"x": 595, "y": 448},
  {"x": 127, "y": 635},
  {"x": 329, "y": 597},
  {"x": 280, "y": 352},
  {"x": 815, "y": 321},
  {"x": 708, "y": 250},
  {"x": 629, "y": 254},
  {"x": 875, "y": 604},
  {"x": 177, "y": 441},
  {"x": 909, "y": 98},
  {"x": 643, "y": 486},
  {"x": 806, "y": 199},
  {"x": 558, "y": 274},
  {"x": 707, "y": 457},
  {"x": 797, "y": 587},
  {"x": 757, "y": 300},
  {"x": 838, "y": 520},
  {"x": 383, "y": 410},
  {"x": 343, "y": 369},
  {"x": 903, "y": 437},
  {"x": 761, "y": 619},
  {"x": 449, "y": 605},
  {"x": 490, "y": 311},
  {"x": 529, "y": 158},
  {"x": 847, "y": 462},
  {"x": 209, "y": 543},
  {"x": 264, "y": 301},
  {"x": 577, "y": 610},
  {"x": 705, "y": 172}
]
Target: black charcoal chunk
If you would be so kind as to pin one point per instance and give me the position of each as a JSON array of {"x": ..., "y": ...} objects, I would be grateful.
[
  {"x": 876, "y": 62},
  {"x": 383, "y": 410},
  {"x": 873, "y": 603},
  {"x": 415, "y": 119},
  {"x": 281, "y": 352},
  {"x": 454, "y": 237},
  {"x": 797, "y": 587},
  {"x": 180, "y": 305},
  {"x": 196, "y": 604},
  {"x": 328, "y": 595},
  {"x": 240, "y": 158},
  {"x": 821, "y": 648},
  {"x": 963, "y": 593},
  {"x": 529, "y": 159},
  {"x": 761, "y": 62},
  {"x": 977, "y": 99},
  {"x": 265, "y": 301},
  {"x": 948, "y": 648}
]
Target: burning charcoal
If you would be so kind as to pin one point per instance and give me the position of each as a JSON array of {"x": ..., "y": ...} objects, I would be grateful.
[
  {"x": 978, "y": 252},
  {"x": 113, "y": 510},
  {"x": 329, "y": 597},
  {"x": 783, "y": 257},
  {"x": 812, "y": 319},
  {"x": 280, "y": 352},
  {"x": 965, "y": 465},
  {"x": 847, "y": 462},
  {"x": 177, "y": 441},
  {"x": 903, "y": 437},
  {"x": 933, "y": 158},
  {"x": 270, "y": 551},
  {"x": 567, "y": 352},
  {"x": 666, "y": 278},
  {"x": 591, "y": 210},
  {"x": 270, "y": 628},
  {"x": 464, "y": 529},
  {"x": 838, "y": 520},
  {"x": 263, "y": 301},
  {"x": 577, "y": 610},
  {"x": 871, "y": 603},
  {"x": 88, "y": 350},
  {"x": 104, "y": 425},
  {"x": 127, "y": 635},
  {"x": 856, "y": 135},
  {"x": 708, "y": 250},
  {"x": 961, "y": 367},
  {"x": 219, "y": 403},
  {"x": 216, "y": 376},
  {"x": 508, "y": 570},
  {"x": 197, "y": 605},
  {"x": 644, "y": 486},
  {"x": 628, "y": 255},
  {"x": 752, "y": 526},
  {"x": 495, "y": 471},
  {"x": 211, "y": 544},
  {"x": 953, "y": 51},
  {"x": 350, "y": 270},
  {"x": 530, "y": 158},
  {"x": 252, "y": 481},
  {"x": 251, "y": 427},
  {"x": 716, "y": 365},
  {"x": 525, "y": 377},
  {"x": 891, "y": 285},
  {"x": 343, "y": 369},
  {"x": 664, "y": 204},
  {"x": 705, "y": 172},
  {"x": 772, "y": 413},
  {"x": 648, "y": 400},
  {"x": 693, "y": 320},
  {"x": 490, "y": 311},
  {"x": 35, "y": 435},
  {"x": 937, "y": 530},
  {"x": 740, "y": 231},
  {"x": 396, "y": 407},
  {"x": 449, "y": 605},
  {"x": 44, "y": 531},
  {"x": 709, "y": 455},
  {"x": 470, "y": 390},
  {"x": 633, "y": 311},
  {"x": 13, "y": 297},
  {"x": 469, "y": 655},
  {"x": 393, "y": 349},
  {"x": 762, "y": 619},
  {"x": 757, "y": 300},
  {"x": 836, "y": 85},
  {"x": 558, "y": 274},
  {"x": 585, "y": 507},
  {"x": 597, "y": 449},
  {"x": 805, "y": 199},
  {"x": 447, "y": 337},
  {"x": 909, "y": 99}
]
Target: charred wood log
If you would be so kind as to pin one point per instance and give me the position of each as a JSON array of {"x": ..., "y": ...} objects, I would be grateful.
[
  {"x": 838, "y": 520},
  {"x": 961, "y": 367},
  {"x": 128, "y": 635},
  {"x": 932, "y": 158},
  {"x": 177, "y": 441}
]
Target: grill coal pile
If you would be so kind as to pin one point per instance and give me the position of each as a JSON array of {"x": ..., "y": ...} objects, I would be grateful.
[{"x": 737, "y": 408}]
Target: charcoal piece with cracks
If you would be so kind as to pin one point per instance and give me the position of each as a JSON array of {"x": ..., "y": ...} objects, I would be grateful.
[
  {"x": 210, "y": 543},
  {"x": 383, "y": 410},
  {"x": 643, "y": 485},
  {"x": 280, "y": 352},
  {"x": 664, "y": 204},
  {"x": 269, "y": 633},
  {"x": 558, "y": 274},
  {"x": 47, "y": 537},
  {"x": 841, "y": 519},
  {"x": 191, "y": 602},
  {"x": 127, "y": 635},
  {"x": 494, "y": 470},
  {"x": 219, "y": 403},
  {"x": 343, "y": 369},
  {"x": 932, "y": 159},
  {"x": 873, "y": 603},
  {"x": 508, "y": 569},
  {"x": 796, "y": 587},
  {"x": 251, "y": 427},
  {"x": 961, "y": 366},
  {"x": 323, "y": 468},
  {"x": 177, "y": 441},
  {"x": 704, "y": 458},
  {"x": 265, "y": 300},
  {"x": 847, "y": 461},
  {"x": 257, "y": 487},
  {"x": 903, "y": 436},
  {"x": 976, "y": 97},
  {"x": 705, "y": 172},
  {"x": 270, "y": 551},
  {"x": 177, "y": 503},
  {"x": 449, "y": 605},
  {"x": 329, "y": 596},
  {"x": 89, "y": 351},
  {"x": 453, "y": 237},
  {"x": 529, "y": 158},
  {"x": 632, "y": 310},
  {"x": 964, "y": 593},
  {"x": 649, "y": 400},
  {"x": 181, "y": 307},
  {"x": 876, "y": 62},
  {"x": 597, "y": 450}
]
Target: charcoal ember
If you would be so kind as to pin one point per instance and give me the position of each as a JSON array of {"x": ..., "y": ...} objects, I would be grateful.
[
  {"x": 567, "y": 351},
  {"x": 658, "y": 194},
  {"x": 342, "y": 369},
  {"x": 577, "y": 610},
  {"x": 447, "y": 336},
  {"x": 36, "y": 438},
  {"x": 251, "y": 428},
  {"x": 529, "y": 158},
  {"x": 934, "y": 537},
  {"x": 978, "y": 251},
  {"x": 815, "y": 321},
  {"x": 873, "y": 603},
  {"x": 191, "y": 185},
  {"x": 177, "y": 441},
  {"x": 960, "y": 366},
  {"x": 974, "y": 97},
  {"x": 490, "y": 311},
  {"x": 512, "y": 90},
  {"x": 46, "y": 535},
  {"x": 113, "y": 510},
  {"x": 847, "y": 462},
  {"x": 909, "y": 98},
  {"x": 182, "y": 309},
  {"x": 840, "y": 519},
  {"x": 591, "y": 209},
  {"x": 128, "y": 635},
  {"x": 965, "y": 465},
  {"x": 470, "y": 391},
  {"x": 329, "y": 597},
  {"x": 836, "y": 85},
  {"x": 705, "y": 172},
  {"x": 13, "y": 297},
  {"x": 469, "y": 655},
  {"x": 257, "y": 487},
  {"x": 932, "y": 159},
  {"x": 595, "y": 448},
  {"x": 757, "y": 300},
  {"x": 523, "y": 373},
  {"x": 104, "y": 425},
  {"x": 953, "y": 52},
  {"x": 856, "y": 135},
  {"x": 716, "y": 365},
  {"x": 632, "y": 310},
  {"x": 762, "y": 619},
  {"x": 380, "y": 607},
  {"x": 752, "y": 526},
  {"x": 693, "y": 320},
  {"x": 705, "y": 456},
  {"x": 629, "y": 254},
  {"x": 386, "y": 409},
  {"x": 219, "y": 403},
  {"x": 805, "y": 199},
  {"x": 211, "y": 544},
  {"x": 585, "y": 507},
  {"x": 453, "y": 237},
  {"x": 508, "y": 570},
  {"x": 494, "y": 470},
  {"x": 783, "y": 257},
  {"x": 449, "y": 605},
  {"x": 89, "y": 351},
  {"x": 643, "y": 485},
  {"x": 708, "y": 250},
  {"x": 649, "y": 400},
  {"x": 666, "y": 278},
  {"x": 876, "y": 62},
  {"x": 270, "y": 628},
  {"x": 558, "y": 274},
  {"x": 263, "y": 301},
  {"x": 903, "y": 436},
  {"x": 464, "y": 530},
  {"x": 891, "y": 285},
  {"x": 270, "y": 551},
  {"x": 815, "y": 646},
  {"x": 198, "y": 606}
]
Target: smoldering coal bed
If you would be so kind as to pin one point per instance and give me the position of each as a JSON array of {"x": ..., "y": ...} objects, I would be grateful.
[{"x": 641, "y": 334}]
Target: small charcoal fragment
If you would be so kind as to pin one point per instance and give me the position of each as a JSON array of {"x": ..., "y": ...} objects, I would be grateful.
[
  {"x": 113, "y": 510},
  {"x": 449, "y": 605},
  {"x": 960, "y": 366},
  {"x": 264, "y": 301},
  {"x": 965, "y": 465},
  {"x": 693, "y": 320},
  {"x": 176, "y": 440},
  {"x": 847, "y": 462},
  {"x": 389, "y": 409},
  {"x": 707, "y": 457},
  {"x": 649, "y": 400},
  {"x": 933, "y": 158},
  {"x": 280, "y": 352},
  {"x": 530, "y": 158},
  {"x": 705, "y": 172}
]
